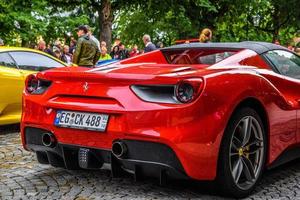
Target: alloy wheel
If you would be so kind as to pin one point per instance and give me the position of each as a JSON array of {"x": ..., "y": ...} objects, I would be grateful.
[{"x": 246, "y": 152}]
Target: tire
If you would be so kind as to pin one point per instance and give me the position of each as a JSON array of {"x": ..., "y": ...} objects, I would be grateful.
[{"x": 242, "y": 156}]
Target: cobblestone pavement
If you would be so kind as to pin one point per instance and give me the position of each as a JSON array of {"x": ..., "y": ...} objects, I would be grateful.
[{"x": 21, "y": 177}]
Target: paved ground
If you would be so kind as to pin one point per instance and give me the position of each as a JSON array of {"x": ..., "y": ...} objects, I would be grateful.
[{"x": 21, "y": 177}]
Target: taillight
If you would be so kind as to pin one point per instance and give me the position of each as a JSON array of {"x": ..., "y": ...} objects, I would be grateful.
[
  {"x": 184, "y": 91},
  {"x": 188, "y": 90},
  {"x": 35, "y": 85},
  {"x": 31, "y": 83}
]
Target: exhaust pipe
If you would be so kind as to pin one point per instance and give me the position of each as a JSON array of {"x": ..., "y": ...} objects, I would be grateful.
[
  {"x": 48, "y": 140},
  {"x": 119, "y": 149}
]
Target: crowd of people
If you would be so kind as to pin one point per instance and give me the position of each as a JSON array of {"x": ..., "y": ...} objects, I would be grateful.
[{"x": 88, "y": 51}]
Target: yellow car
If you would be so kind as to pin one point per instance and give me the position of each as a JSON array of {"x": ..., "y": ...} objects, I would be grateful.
[{"x": 15, "y": 65}]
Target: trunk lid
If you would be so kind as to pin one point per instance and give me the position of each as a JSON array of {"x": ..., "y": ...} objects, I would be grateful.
[{"x": 139, "y": 71}]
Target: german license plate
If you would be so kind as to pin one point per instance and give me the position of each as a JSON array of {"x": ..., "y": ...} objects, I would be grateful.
[{"x": 81, "y": 120}]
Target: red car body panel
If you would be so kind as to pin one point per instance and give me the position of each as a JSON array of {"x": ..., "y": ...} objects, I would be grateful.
[{"x": 194, "y": 131}]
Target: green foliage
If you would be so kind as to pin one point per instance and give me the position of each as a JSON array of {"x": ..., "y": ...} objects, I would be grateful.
[
  {"x": 22, "y": 19},
  {"x": 22, "y": 22},
  {"x": 165, "y": 21},
  {"x": 259, "y": 20},
  {"x": 63, "y": 27},
  {"x": 131, "y": 25},
  {"x": 231, "y": 20}
]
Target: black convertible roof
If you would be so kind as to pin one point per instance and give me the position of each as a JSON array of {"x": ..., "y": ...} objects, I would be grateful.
[{"x": 258, "y": 47}]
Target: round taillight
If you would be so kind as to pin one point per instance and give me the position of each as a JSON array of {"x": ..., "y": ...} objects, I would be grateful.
[
  {"x": 184, "y": 92},
  {"x": 188, "y": 90},
  {"x": 31, "y": 83}
]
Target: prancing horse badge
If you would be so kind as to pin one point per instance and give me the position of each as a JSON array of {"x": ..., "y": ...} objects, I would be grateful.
[{"x": 85, "y": 86}]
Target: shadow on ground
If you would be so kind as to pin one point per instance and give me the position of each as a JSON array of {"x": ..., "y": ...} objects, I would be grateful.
[{"x": 9, "y": 128}]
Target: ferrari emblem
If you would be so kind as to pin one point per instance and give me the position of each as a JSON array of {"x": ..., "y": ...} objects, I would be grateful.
[{"x": 85, "y": 86}]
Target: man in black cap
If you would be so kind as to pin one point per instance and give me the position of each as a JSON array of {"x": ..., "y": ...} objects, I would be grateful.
[{"x": 86, "y": 53}]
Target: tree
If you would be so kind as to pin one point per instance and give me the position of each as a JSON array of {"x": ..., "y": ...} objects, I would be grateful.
[
  {"x": 165, "y": 21},
  {"x": 100, "y": 12},
  {"x": 264, "y": 20},
  {"x": 131, "y": 25},
  {"x": 23, "y": 22},
  {"x": 166, "y": 15}
]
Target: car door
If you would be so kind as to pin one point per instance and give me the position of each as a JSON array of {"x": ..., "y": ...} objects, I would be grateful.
[
  {"x": 288, "y": 64},
  {"x": 32, "y": 62},
  {"x": 11, "y": 86}
]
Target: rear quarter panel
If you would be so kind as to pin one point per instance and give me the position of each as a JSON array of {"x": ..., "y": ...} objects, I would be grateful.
[{"x": 226, "y": 90}]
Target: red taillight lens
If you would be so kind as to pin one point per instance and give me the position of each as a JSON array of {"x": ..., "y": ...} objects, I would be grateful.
[
  {"x": 188, "y": 90},
  {"x": 35, "y": 85},
  {"x": 32, "y": 83}
]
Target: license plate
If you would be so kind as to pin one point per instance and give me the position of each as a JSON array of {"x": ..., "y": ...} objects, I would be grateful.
[{"x": 81, "y": 120}]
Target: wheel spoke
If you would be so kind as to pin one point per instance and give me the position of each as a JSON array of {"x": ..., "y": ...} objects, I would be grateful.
[
  {"x": 237, "y": 170},
  {"x": 255, "y": 149},
  {"x": 255, "y": 146},
  {"x": 246, "y": 130},
  {"x": 234, "y": 154},
  {"x": 256, "y": 134},
  {"x": 256, "y": 142},
  {"x": 248, "y": 169},
  {"x": 236, "y": 143}
]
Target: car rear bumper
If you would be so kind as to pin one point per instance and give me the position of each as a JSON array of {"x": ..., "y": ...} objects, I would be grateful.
[{"x": 142, "y": 158}]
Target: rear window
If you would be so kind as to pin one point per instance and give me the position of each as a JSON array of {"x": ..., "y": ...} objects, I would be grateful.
[{"x": 197, "y": 56}]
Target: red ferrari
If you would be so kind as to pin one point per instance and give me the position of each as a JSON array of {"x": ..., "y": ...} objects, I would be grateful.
[{"x": 217, "y": 111}]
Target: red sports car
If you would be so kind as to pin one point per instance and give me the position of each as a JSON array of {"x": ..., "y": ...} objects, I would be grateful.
[{"x": 217, "y": 111}]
